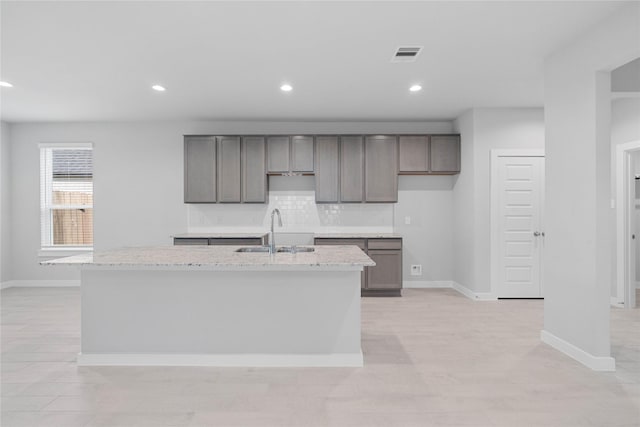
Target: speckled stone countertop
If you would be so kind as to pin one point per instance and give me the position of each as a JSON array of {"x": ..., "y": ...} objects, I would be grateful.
[
  {"x": 214, "y": 235},
  {"x": 223, "y": 258},
  {"x": 357, "y": 235}
]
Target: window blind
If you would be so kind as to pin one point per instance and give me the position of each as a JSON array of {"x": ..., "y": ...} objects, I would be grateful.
[{"x": 66, "y": 195}]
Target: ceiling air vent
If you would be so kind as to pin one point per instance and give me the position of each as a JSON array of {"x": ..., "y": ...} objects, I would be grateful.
[{"x": 406, "y": 54}]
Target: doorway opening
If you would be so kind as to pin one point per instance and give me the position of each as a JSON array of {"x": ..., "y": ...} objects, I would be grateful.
[{"x": 627, "y": 223}]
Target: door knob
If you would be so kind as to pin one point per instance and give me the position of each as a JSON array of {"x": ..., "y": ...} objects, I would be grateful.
[{"x": 536, "y": 233}]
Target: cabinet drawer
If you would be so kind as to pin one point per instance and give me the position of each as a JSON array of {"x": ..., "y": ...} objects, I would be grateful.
[
  {"x": 222, "y": 241},
  {"x": 336, "y": 242},
  {"x": 385, "y": 243},
  {"x": 187, "y": 241}
]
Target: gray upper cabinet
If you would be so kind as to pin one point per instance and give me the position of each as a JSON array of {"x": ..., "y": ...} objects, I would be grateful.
[
  {"x": 445, "y": 154},
  {"x": 327, "y": 169},
  {"x": 254, "y": 174},
  {"x": 381, "y": 169},
  {"x": 413, "y": 154},
  {"x": 348, "y": 169},
  {"x": 302, "y": 154},
  {"x": 351, "y": 169},
  {"x": 229, "y": 169},
  {"x": 278, "y": 151},
  {"x": 199, "y": 169}
]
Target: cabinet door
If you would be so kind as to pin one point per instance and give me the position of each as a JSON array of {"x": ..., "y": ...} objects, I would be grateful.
[
  {"x": 254, "y": 173},
  {"x": 413, "y": 153},
  {"x": 278, "y": 154},
  {"x": 229, "y": 169},
  {"x": 381, "y": 173},
  {"x": 326, "y": 169},
  {"x": 361, "y": 243},
  {"x": 351, "y": 169},
  {"x": 387, "y": 273},
  {"x": 230, "y": 241},
  {"x": 445, "y": 154},
  {"x": 199, "y": 169},
  {"x": 189, "y": 241},
  {"x": 302, "y": 154}
]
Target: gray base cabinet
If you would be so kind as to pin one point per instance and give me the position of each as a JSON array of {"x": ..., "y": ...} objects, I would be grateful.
[
  {"x": 387, "y": 274},
  {"x": 385, "y": 278},
  {"x": 220, "y": 241}
]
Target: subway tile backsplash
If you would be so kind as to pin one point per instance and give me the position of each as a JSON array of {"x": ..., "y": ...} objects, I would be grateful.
[{"x": 300, "y": 213}]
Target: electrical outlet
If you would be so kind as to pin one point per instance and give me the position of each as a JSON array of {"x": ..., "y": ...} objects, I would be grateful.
[
  {"x": 416, "y": 270},
  {"x": 407, "y": 220}
]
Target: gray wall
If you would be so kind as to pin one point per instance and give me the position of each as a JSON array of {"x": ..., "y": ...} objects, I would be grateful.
[
  {"x": 483, "y": 130},
  {"x": 464, "y": 205},
  {"x": 428, "y": 240},
  {"x": 5, "y": 207},
  {"x": 138, "y": 182},
  {"x": 577, "y": 261}
]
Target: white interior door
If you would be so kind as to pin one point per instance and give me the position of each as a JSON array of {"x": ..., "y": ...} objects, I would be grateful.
[{"x": 520, "y": 226}]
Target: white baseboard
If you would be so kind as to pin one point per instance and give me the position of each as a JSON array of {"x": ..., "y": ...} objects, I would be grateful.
[
  {"x": 225, "y": 360},
  {"x": 39, "y": 284},
  {"x": 616, "y": 303},
  {"x": 596, "y": 363},
  {"x": 447, "y": 284},
  {"x": 427, "y": 284},
  {"x": 476, "y": 296}
]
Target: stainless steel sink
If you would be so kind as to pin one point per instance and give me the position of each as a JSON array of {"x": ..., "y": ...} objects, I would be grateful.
[
  {"x": 281, "y": 249},
  {"x": 254, "y": 249},
  {"x": 294, "y": 249}
]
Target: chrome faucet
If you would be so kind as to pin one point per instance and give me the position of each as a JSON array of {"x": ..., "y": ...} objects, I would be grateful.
[{"x": 272, "y": 240}]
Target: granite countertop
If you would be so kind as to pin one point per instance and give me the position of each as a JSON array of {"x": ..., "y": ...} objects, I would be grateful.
[
  {"x": 357, "y": 235},
  {"x": 220, "y": 235},
  {"x": 218, "y": 258}
]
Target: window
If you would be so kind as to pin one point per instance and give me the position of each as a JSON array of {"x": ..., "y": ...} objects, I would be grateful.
[{"x": 66, "y": 195}]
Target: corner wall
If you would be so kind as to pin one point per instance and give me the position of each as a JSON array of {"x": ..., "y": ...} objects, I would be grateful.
[
  {"x": 483, "y": 130},
  {"x": 5, "y": 206},
  {"x": 577, "y": 256}
]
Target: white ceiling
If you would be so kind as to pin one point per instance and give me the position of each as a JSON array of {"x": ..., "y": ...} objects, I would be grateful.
[{"x": 96, "y": 61}]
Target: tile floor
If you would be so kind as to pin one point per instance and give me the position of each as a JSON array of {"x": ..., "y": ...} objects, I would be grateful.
[{"x": 432, "y": 358}]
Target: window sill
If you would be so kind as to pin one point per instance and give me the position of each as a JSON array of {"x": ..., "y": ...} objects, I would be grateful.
[{"x": 59, "y": 252}]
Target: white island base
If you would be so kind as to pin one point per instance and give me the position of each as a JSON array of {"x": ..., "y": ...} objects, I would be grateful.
[{"x": 220, "y": 318}]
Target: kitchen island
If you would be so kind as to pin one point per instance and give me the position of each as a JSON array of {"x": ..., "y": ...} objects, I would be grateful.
[{"x": 212, "y": 305}]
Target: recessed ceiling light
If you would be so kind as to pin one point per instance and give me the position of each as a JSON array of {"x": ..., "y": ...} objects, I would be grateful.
[
  {"x": 6, "y": 84},
  {"x": 415, "y": 88},
  {"x": 286, "y": 88},
  {"x": 158, "y": 88}
]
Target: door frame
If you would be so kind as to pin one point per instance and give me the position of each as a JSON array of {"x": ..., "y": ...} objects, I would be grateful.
[
  {"x": 625, "y": 284},
  {"x": 495, "y": 209}
]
